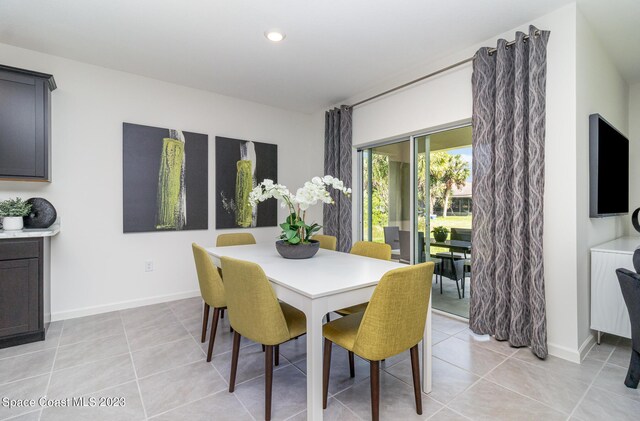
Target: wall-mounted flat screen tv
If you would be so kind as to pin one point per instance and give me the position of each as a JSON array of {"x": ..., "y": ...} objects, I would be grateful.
[{"x": 608, "y": 169}]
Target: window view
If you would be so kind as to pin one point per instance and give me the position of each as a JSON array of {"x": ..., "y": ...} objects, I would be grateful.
[
  {"x": 440, "y": 230},
  {"x": 387, "y": 181},
  {"x": 444, "y": 213}
]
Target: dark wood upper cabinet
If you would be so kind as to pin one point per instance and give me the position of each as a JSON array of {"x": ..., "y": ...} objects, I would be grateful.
[{"x": 25, "y": 124}]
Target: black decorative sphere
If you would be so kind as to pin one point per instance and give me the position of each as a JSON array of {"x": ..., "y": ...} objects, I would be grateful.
[
  {"x": 42, "y": 215},
  {"x": 634, "y": 220}
]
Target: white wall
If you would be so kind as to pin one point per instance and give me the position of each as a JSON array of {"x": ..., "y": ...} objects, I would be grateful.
[
  {"x": 600, "y": 89},
  {"x": 447, "y": 98},
  {"x": 634, "y": 154},
  {"x": 444, "y": 99},
  {"x": 95, "y": 267}
]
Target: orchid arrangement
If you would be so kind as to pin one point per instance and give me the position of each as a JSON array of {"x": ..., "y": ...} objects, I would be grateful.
[{"x": 295, "y": 230}]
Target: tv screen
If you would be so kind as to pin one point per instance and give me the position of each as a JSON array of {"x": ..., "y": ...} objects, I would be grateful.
[{"x": 609, "y": 169}]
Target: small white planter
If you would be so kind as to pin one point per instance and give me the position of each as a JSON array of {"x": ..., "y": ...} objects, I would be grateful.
[{"x": 12, "y": 223}]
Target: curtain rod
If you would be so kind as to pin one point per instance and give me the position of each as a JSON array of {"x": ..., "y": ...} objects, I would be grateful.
[{"x": 437, "y": 72}]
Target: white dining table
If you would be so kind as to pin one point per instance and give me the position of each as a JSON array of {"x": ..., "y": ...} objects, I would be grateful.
[{"x": 329, "y": 281}]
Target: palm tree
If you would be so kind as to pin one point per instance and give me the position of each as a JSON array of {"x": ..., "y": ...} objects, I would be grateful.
[{"x": 456, "y": 171}]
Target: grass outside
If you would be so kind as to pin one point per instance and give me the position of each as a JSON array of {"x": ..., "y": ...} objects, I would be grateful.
[{"x": 449, "y": 222}]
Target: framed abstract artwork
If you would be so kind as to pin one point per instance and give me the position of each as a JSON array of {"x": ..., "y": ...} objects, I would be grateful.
[
  {"x": 240, "y": 165},
  {"x": 165, "y": 179}
]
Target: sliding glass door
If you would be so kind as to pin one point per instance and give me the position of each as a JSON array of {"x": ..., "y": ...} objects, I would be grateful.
[
  {"x": 386, "y": 191},
  {"x": 422, "y": 198},
  {"x": 413, "y": 185}
]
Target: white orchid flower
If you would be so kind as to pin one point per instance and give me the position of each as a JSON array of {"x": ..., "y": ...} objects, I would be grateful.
[{"x": 311, "y": 193}]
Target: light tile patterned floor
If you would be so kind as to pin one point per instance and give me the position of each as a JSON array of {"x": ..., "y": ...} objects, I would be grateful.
[
  {"x": 448, "y": 301},
  {"x": 153, "y": 358}
]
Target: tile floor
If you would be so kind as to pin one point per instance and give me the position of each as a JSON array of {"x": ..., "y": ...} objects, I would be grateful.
[
  {"x": 151, "y": 356},
  {"x": 448, "y": 301}
]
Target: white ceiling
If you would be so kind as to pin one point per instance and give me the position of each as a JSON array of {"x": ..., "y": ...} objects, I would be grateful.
[
  {"x": 617, "y": 23},
  {"x": 334, "y": 49}
]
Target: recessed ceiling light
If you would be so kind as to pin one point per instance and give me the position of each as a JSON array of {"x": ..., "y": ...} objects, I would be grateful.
[{"x": 274, "y": 36}]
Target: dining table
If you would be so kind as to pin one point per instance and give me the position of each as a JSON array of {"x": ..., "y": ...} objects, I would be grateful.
[
  {"x": 327, "y": 282},
  {"x": 453, "y": 245}
]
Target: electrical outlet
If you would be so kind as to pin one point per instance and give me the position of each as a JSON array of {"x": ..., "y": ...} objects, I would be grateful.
[{"x": 148, "y": 266}]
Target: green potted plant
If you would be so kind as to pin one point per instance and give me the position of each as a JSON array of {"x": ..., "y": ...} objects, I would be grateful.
[
  {"x": 295, "y": 240},
  {"x": 12, "y": 211},
  {"x": 440, "y": 233}
]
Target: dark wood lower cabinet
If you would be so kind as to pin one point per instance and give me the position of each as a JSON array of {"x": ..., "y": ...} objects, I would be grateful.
[{"x": 21, "y": 291}]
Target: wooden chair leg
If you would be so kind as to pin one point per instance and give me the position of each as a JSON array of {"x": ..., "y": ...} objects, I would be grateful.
[
  {"x": 214, "y": 328},
  {"x": 222, "y": 314},
  {"x": 205, "y": 320},
  {"x": 268, "y": 381},
  {"x": 263, "y": 348},
  {"x": 234, "y": 361},
  {"x": 326, "y": 368},
  {"x": 415, "y": 369},
  {"x": 277, "y": 356},
  {"x": 374, "y": 367},
  {"x": 352, "y": 365}
]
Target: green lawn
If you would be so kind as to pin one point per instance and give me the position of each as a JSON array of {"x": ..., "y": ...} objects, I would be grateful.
[
  {"x": 449, "y": 222},
  {"x": 452, "y": 222}
]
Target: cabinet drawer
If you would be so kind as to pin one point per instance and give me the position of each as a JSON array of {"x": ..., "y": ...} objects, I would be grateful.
[
  {"x": 19, "y": 296},
  {"x": 20, "y": 248}
]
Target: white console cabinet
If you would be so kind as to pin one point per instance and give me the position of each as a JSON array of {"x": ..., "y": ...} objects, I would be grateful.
[{"x": 608, "y": 310}]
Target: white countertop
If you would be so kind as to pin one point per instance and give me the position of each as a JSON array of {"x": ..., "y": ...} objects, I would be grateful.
[
  {"x": 26, "y": 233},
  {"x": 624, "y": 245}
]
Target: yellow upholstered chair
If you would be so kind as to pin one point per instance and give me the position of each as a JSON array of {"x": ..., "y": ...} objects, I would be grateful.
[
  {"x": 235, "y": 239},
  {"x": 368, "y": 249},
  {"x": 393, "y": 322},
  {"x": 380, "y": 251},
  {"x": 327, "y": 242},
  {"x": 212, "y": 291},
  {"x": 256, "y": 313}
]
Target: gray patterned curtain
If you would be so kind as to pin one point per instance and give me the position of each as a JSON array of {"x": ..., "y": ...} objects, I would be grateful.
[
  {"x": 508, "y": 184},
  {"x": 337, "y": 162}
]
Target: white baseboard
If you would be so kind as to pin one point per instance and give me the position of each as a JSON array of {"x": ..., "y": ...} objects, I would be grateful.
[
  {"x": 569, "y": 354},
  {"x": 586, "y": 346},
  {"x": 122, "y": 305}
]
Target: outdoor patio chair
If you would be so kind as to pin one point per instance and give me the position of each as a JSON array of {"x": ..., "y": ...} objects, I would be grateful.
[
  {"x": 392, "y": 237},
  {"x": 405, "y": 253}
]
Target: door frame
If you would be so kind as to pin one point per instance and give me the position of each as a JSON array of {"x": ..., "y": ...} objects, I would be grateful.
[{"x": 411, "y": 137}]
